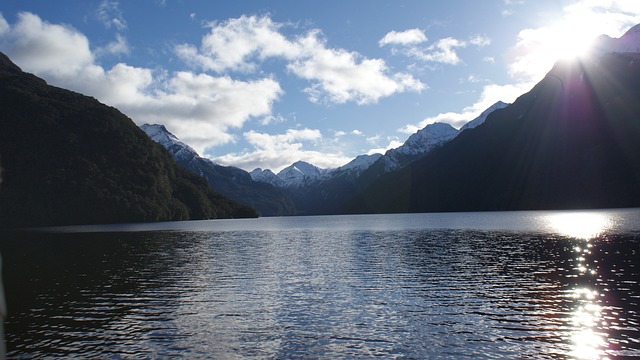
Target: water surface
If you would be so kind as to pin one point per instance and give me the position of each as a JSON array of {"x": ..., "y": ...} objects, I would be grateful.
[{"x": 475, "y": 285}]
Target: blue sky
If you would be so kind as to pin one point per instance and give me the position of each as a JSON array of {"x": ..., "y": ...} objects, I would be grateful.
[{"x": 266, "y": 83}]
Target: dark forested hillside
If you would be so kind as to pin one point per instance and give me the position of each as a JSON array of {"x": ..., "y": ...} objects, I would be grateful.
[
  {"x": 68, "y": 159},
  {"x": 573, "y": 141}
]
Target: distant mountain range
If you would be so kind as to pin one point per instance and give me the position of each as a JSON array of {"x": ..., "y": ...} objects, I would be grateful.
[
  {"x": 68, "y": 159},
  {"x": 229, "y": 181},
  {"x": 573, "y": 141}
]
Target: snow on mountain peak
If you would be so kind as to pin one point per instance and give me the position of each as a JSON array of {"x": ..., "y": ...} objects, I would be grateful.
[
  {"x": 360, "y": 163},
  {"x": 162, "y": 136},
  {"x": 299, "y": 172},
  {"x": 483, "y": 116},
  {"x": 426, "y": 139}
]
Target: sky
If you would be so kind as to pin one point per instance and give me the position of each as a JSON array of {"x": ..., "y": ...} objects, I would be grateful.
[{"x": 258, "y": 83}]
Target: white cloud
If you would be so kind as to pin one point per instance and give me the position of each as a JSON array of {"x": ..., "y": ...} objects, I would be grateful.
[
  {"x": 480, "y": 40},
  {"x": 278, "y": 151},
  {"x": 490, "y": 95},
  {"x": 41, "y": 47},
  {"x": 198, "y": 108},
  {"x": 117, "y": 47},
  {"x": 407, "y": 37},
  {"x": 339, "y": 76},
  {"x": 4, "y": 25},
  {"x": 237, "y": 43},
  {"x": 109, "y": 14},
  {"x": 442, "y": 51},
  {"x": 336, "y": 75},
  {"x": 393, "y": 143}
]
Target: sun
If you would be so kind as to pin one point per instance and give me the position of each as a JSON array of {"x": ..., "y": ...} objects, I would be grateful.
[{"x": 571, "y": 38}]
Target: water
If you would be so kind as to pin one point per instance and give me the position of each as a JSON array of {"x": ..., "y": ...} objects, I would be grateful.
[{"x": 475, "y": 285}]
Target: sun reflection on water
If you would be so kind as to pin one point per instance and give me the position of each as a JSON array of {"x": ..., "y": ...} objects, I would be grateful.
[
  {"x": 587, "y": 339},
  {"x": 581, "y": 225}
]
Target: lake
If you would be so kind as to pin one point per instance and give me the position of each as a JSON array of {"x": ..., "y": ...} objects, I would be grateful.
[{"x": 539, "y": 284}]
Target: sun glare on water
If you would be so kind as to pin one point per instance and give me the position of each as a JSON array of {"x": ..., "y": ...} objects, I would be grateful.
[{"x": 579, "y": 225}]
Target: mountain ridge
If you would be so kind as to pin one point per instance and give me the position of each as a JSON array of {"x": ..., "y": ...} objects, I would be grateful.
[
  {"x": 230, "y": 181},
  {"x": 571, "y": 142},
  {"x": 97, "y": 165}
]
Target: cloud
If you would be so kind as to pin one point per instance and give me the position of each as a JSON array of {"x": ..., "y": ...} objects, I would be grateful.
[
  {"x": 4, "y": 26},
  {"x": 442, "y": 51},
  {"x": 491, "y": 94},
  {"x": 339, "y": 76},
  {"x": 198, "y": 108},
  {"x": 407, "y": 37},
  {"x": 236, "y": 44},
  {"x": 336, "y": 75},
  {"x": 109, "y": 14},
  {"x": 117, "y": 47},
  {"x": 277, "y": 151},
  {"x": 40, "y": 47},
  {"x": 393, "y": 143}
]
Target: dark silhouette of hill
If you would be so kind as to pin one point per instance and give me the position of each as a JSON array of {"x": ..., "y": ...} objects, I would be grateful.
[
  {"x": 573, "y": 141},
  {"x": 68, "y": 159}
]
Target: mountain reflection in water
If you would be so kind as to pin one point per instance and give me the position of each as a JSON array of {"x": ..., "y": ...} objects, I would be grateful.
[{"x": 484, "y": 285}]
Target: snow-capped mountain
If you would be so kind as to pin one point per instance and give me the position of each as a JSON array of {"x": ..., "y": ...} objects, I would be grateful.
[
  {"x": 267, "y": 176},
  {"x": 230, "y": 181},
  {"x": 627, "y": 43},
  {"x": 300, "y": 172},
  {"x": 359, "y": 164},
  {"x": 162, "y": 136},
  {"x": 482, "y": 117},
  {"x": 423, "y": 141},
  {"x": 418, "y": 144},
  {"x": 426, "y": 139}
]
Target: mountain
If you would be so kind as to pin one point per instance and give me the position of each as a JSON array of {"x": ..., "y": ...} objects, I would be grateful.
[
  {"x": 627, "y": 43},
  {"x": 299, "y": 173},
  {"x": 324, "y": 191},
  {"x": 418, "y": 144},
  {"x": 573, "y": 141},
  {"x": 68, "y": 159},
  {"x": 231, "y": 182},
  {"x": 359, "y": 164},
  {"x": 483, "y": 116}
]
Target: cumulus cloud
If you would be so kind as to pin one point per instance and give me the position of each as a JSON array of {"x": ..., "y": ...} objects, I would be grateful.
[
  {"x": 41, "y": 47},
  {"x": 407, "y": 37},
  {"x": 277, "y": 151},
  {"x": 236, "y": 44},
  {"x": 336, "y": 75},
  {"x": 339, "y": 76},
  {"x": 198, "y": 108}
]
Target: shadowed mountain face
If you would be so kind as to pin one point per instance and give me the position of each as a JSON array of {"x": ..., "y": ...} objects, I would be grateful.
[
  {"x": 573, "y": 141},
  {"x": 231, "y": 182},
  {"x": 68, "y": 159}
]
